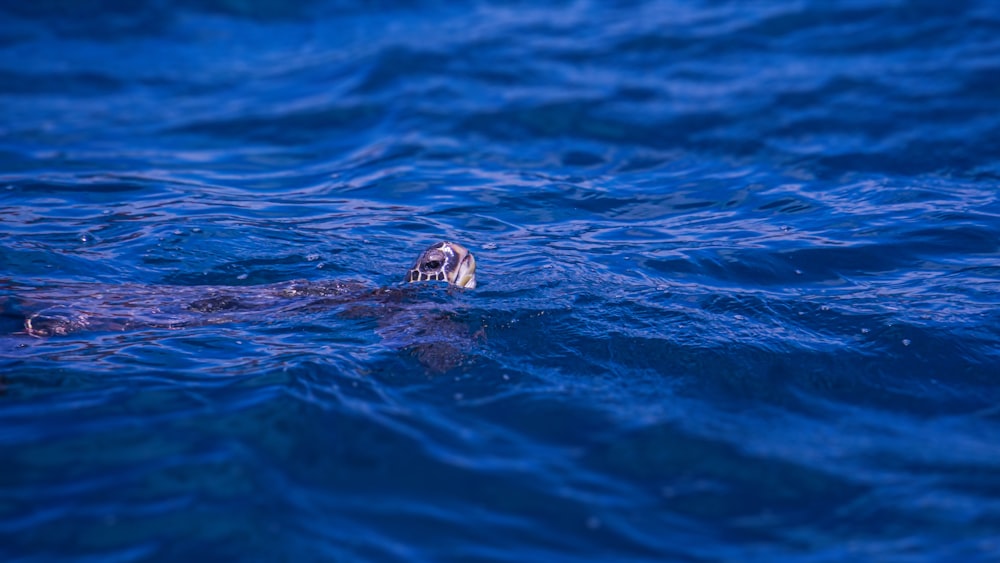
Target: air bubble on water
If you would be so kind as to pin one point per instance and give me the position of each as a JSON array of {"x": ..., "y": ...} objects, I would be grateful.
[
  {"x": 824, "y": 308},
  {"x": 196, "y": 230},
  {"x": 740, "y": 317},
  {"x": 242, "y": 276},
  {"x": 106, "y": 212},
  {"x": 865, "y": 331},
  {"x": 312, "y": 257},
  {"x": 321, "y": 265},
  {"x": 490, "y": 246},
  {"x": 178, "y": 232},
  {"x": 906, "y": 342},
  {"x": 506, "y": 377},
  {"x": 798, "y": 272},
  {"x": 86, "y": 237}
]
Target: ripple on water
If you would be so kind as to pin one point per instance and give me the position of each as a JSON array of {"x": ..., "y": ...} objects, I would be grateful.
[{"x": 737, "y": 292}]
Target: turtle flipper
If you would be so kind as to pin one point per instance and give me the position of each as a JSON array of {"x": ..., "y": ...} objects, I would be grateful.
[
  {"x": 61, "y": 321},
  {"x": 52, "y": 322},
  {"x": 438, "y": 357}
]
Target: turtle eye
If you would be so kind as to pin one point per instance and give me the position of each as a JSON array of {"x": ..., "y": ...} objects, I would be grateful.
[{"x": 432, "y": 264}]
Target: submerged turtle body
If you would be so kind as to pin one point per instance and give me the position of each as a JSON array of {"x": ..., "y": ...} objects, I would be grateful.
[{"x": 77, "y": 307}]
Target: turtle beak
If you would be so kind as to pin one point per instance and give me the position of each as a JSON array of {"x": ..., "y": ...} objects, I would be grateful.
[{"x": 464, "y": 274}]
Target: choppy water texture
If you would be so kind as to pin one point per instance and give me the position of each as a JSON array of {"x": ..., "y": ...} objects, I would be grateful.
[{"x": 738, "y": 300}]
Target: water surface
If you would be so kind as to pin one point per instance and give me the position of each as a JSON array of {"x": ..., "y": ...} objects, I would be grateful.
[{"x": 738, "y": 280}]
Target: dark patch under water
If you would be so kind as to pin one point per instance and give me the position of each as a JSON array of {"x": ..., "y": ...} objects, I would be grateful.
[{"x": 739, "y": 278}]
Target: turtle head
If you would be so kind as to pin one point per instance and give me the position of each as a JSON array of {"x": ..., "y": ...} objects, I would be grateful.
[{"x": 445, "y": 261}]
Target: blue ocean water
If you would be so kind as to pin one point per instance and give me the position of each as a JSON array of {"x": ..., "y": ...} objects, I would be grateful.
[{"x": 739, "y": 280}]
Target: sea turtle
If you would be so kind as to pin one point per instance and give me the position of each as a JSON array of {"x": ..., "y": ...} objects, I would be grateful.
[{"x": 74, "y": 307}]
